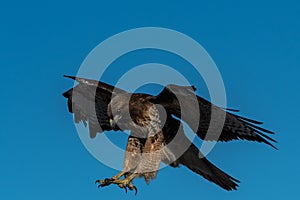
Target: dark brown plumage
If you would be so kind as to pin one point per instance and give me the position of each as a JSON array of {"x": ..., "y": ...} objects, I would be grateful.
[{"x": 156, "y": 136}]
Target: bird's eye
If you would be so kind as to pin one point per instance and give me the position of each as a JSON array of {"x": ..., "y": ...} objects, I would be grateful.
[{"x": 118, "y": 111}]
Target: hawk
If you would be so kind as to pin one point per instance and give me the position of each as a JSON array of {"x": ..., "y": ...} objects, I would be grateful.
[{"x": 156, "y": 130}]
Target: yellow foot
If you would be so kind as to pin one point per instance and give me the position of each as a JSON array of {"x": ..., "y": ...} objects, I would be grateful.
[{"x": 125, "y": 183}]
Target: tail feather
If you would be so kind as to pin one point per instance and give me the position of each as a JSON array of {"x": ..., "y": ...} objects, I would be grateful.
[{"x": 200, "y": 165}]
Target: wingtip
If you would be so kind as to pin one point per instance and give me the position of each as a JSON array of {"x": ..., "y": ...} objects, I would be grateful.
[
  {"x": 231, "y": 110},
  {"x": 270, "y": 144},
  {"x": 274, "y": 146},
  {"x": 275, "y": 141},
  {"x": 71, "y": 77}
]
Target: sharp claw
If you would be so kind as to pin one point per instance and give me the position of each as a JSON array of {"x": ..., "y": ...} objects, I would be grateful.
[
  {"x": 123, "y": 186},
  {"x": 108, "y": 181},
  {"x": 135, "y": 190},
  {"x": 103, "y": 183},
  {"x": 132, "y": 187}
]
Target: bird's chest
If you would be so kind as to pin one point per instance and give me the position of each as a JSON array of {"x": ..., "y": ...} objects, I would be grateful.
[{"x": 145, "y": 128}]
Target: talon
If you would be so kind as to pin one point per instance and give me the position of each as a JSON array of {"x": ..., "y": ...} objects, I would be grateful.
[
  {"x": 103, "y": 183},
  {"x": 123, "y": 186},
  {"x": 125, "y": 183},
  {"x": 125, "y": 189},
  {"x": 135, "y": 190},
  {"x": 132, "y": 187}
]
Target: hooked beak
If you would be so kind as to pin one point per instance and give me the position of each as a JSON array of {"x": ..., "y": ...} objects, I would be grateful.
[{"x": 111, "y": 122}]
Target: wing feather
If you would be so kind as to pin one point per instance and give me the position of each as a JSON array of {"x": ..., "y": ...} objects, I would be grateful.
[
  {"x": 235, "y": 127},
  {"x": 88, "y": 101},
  {"x": 187, "y": 154}
]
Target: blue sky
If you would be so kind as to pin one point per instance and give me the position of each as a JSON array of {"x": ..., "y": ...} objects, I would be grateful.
[{"x": 255, "y": 46}]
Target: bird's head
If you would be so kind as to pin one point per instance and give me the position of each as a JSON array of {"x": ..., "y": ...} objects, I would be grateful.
[
  {"x": 128, "y": 112},
  {"x": 118, "y": 111}
]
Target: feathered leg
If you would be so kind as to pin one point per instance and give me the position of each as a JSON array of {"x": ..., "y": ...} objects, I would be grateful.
[{"x": 131, "y": 161}]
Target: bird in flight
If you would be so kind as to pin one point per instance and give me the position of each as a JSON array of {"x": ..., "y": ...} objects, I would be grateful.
[{"x": 156, "y": 130}]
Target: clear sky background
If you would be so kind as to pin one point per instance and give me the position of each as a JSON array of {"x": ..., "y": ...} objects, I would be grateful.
[{"x": 256, "y": 46}]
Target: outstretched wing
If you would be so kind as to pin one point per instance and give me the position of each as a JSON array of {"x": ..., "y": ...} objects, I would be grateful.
[
  {"x": 89, "y": 101},
  {"x": 184, "y": 152},
  {"x": 174, "y": 97}
]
